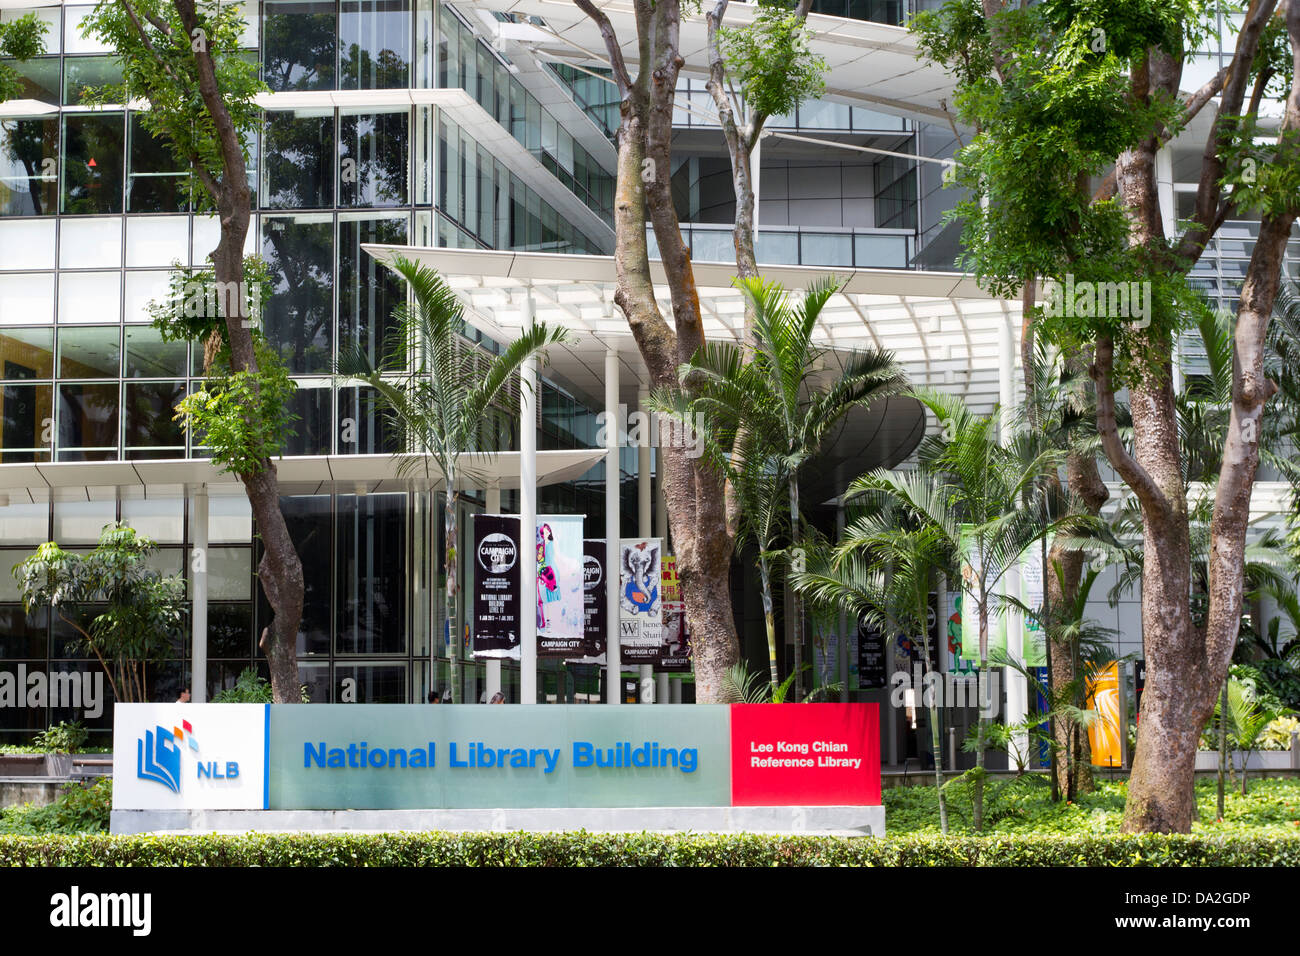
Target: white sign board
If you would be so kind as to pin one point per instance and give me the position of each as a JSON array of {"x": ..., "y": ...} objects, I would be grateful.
[{"x": 190, "y": 756}]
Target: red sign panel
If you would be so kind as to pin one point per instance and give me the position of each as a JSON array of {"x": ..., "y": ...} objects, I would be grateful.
[{"x": 815, "y": 755}]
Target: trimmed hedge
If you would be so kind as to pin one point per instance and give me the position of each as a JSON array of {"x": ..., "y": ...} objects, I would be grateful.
[{"x": 645, "y": 849}]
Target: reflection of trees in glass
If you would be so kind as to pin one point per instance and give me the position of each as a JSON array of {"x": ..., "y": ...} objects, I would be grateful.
[
  {"x": 299, "y": 158},
  {"x": 298, "y": 45},
  {"x": 299, "y": 315},
  {"x": 150, "y": 407},
  {"x": 359, "y": 69},
  {"x": 368, "y": 291},
  {"x": 24, "y": 147},
  {"x": 378, "y": 145},
  {"x": 154, "y": 184},
  {"x": 92, "y": 163}
]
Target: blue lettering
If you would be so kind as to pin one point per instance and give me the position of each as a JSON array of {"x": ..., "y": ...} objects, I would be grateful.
[
  {"x": 381, "y": 761},
  {"x": 582, "y": 753},
  {"x": 309, "y": 753},
  {"x": 451, "y": 758},
  {"x": 205, "y": 770},
  {"x": 337, "y": 757},
  {"x": 690, "y": 759},
  {"x": 232, "y": 770}
]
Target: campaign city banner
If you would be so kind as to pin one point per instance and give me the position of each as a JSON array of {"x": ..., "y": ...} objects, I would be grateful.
[
  {"x": 496, "y": 586},
  {"x": 414, "y": 756},
  {"x": 1104, "y": 731},
  {"x": 560, "y": 613},
  {"x": 871, "y": 658},
  {"x": 675, "y": 644},
  {"x": 970, "y": 617},
  {"x": 595, "y": 605},
  {"x": 640, "y": 601}
]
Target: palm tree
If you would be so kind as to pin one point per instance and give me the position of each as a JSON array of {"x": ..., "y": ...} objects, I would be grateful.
[
  {"x": 436, "y": 390},
  {"x": 970, "y": 490},
  {"x": 853, "y": 577},
  {"x": 770, "y": 406}
]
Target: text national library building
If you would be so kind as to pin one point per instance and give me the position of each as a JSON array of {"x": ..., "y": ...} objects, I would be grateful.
[{"x": 475, "y": 138}]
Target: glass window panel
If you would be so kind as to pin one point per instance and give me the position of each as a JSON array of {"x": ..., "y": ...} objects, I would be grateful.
[
  {"x": 157, "y": 240},
  {"x": 88, "y": 419},
  {"x": 73, "y": 41},
  {"x": 311, "y": 430},
  {"x": 299, "y": 318},
  {"x": 148, "y": 356},
  {"x": 368, "y": 291},
  {"x": 373, "y": 159},
  {"x": 156, "y": 181},
  {"x": 374, "y": 44},
  {"x": 372, "y": 683},
  {"x": 299, "y": 168},
  {"x": 65, "y": 641},
  {"x": 316, "y": 677},
  {"x": 142, "y": 288},
  {"x": 29, "y": 156},
  {"x": 881, "y": 251},
  {"x": 151, "y": 428},
  {"x": 26, "y": 418},
  {"x": 83, "y": 72},
  {"x": 229, "y": 519},
  {"x": 79, "y": 522},
  {"x": 91, "y": 243},
  {"x": 371, "y": 574},
  {"x": 93, "y": 352},
  {"x": 93, "y": 148},
  {"x": 309, "y": 523},
  {"x": 27, "y": 243},
  {"x": 26, "y": 353},
  {"x": 372, "y": 431},
  {"x": 230, "y": 574},
  {"x": 21, "y": 635},
  {"x": 157, "y": 518},
  {"x": 24, "y": 524},
  {"x": 230, "y": 630},
  {"x": 298, "y": 44},
  {"x": 52, "y": 17},
  {"x": 826, "y": 249}
]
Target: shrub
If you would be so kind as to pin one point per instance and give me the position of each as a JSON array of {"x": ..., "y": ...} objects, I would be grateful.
[
  {"x": 65, "y": 737},
  {"x": 644, "y": 849},
  {"x": 79, "y": 808}
]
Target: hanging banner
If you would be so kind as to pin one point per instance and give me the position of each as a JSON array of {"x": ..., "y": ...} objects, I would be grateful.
[
  {"x": 1031, "y": 593},
  {"x": 675, "y": 651},
  {"x": 496, "y": 586},
  {"x": 595, "y": 605},
  {"x": 639, "y": 600},
  {"x": 1104, "y": 731},
  {"x": 972, "y": 559},
  {"x": 871, "y": 658},
  {"x": 560, "y": 616}
]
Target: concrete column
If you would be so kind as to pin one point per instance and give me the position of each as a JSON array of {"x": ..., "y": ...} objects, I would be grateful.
[
  {"x": 1165, "y": 198},
  {"x": 492, "y": 672},
  {"x": 528, "y": 517},
  {"x": 1017, "y": 688},
  {"x": 199, "y": 611},
  {"x": 643, "y": 518},
  {"x": 613, "y": 666}
]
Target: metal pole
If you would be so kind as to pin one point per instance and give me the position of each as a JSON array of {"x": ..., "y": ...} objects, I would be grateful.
[
  {"x": 643, "y": 515},
  {"x": 528, "y": 516},
  {"x": 199, "y": 612},
  {"x": 1017, "y": 687},
  {"x": 845, "y": 637},
  {"x": 613, "y": 474}
]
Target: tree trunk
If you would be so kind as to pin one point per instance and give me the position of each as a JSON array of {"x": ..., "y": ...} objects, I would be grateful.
[
  {"x": 933, "y": 710},
  {"x": 449, "y": 597},
  {"x": 280, "y": 570},
  {"x": 769, "y": 620},
  {"x": 977, "y": 796},
  {"x": 697, "y": 511},
  {"x": 1223, "y": 745}
]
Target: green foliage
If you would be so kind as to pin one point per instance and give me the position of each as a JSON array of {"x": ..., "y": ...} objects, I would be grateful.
[
  {"x": 145, "y": 610},
  {"x": 740, "y": 685},
  {"x": 772, "y": 62},
  {"x": 161, "y": 66},
  {"x": 193, "y": 310},
  {"x": 21, "y": 38},
  {"x": 1225, "y": 848},
  {"x": 65, "y": 737},
  {"x": 79, "y": 808},
  {"x": 251, "y": 689},
  {"x": 243, "y": 417}
]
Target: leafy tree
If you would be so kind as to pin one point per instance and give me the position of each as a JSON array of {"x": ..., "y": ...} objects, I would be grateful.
[
  {"x": 183, "y": 57},
  {"x": 774, "y": 410},
  {"x": 436, "y": 389},
  {"x": 20, "y": 39},
  {"x": 1083, "y": 91},
  {"x": 127, "y": 614}
]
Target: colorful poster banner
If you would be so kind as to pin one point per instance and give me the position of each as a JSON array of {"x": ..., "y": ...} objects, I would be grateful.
[
  {"x": 594, "y": 597},
  {"x": 640, "y": 600},
  {"x": 675, "y": 651},
  {"x": 871, "y": 658},
  {"x": 559, "y": 607},
  {"x": 1103, "y": 733},
  {"x": 496, "y": 586},
  {"x": 972, "y": 560}
]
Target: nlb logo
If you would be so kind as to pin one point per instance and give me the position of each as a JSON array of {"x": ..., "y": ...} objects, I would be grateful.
[{"x": 158, "y": 757}]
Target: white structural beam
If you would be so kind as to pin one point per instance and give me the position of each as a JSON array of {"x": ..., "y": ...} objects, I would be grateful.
[
  {"x": 528, "y": 516},
  {"x": 493, "y": 670},
  {"x": 199, "y": 610},
  {"x": 1017, "y": 687},
  {"x": 613, "y": 672},
  {"x": 643, "y": 519}
]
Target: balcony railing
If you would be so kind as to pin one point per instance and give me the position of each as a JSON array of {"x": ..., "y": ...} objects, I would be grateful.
[{"x": 792, "y": 245}]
